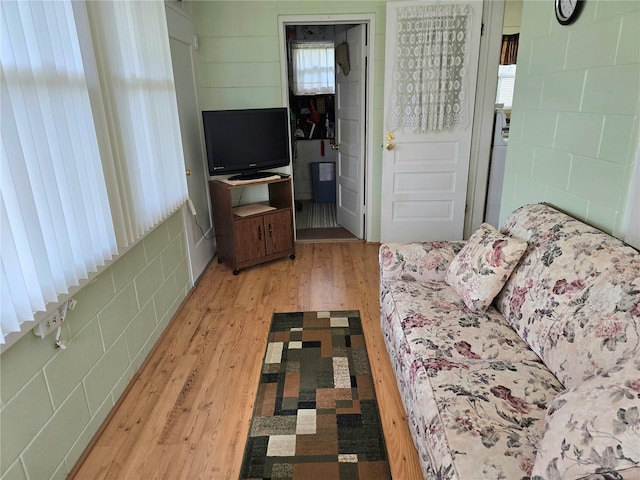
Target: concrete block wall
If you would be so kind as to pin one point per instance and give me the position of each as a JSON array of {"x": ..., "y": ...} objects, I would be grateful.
[
  {"x": 575, "y": 120},
  {"x": 53, "y": 401}
]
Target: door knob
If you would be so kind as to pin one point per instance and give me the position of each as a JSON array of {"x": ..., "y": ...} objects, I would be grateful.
[
  {"x": 187, "y": 172},
  {"x": 390, "y": 146},
  {"x": 335, "y": 146}
]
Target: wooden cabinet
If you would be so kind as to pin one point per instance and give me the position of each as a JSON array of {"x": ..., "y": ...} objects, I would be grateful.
[
  {"x": 263, "y": 235},
  {"x": 246, "y": 239}
]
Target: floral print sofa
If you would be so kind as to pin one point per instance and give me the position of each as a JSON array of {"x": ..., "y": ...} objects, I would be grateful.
[{"x": 517, "y": 353}]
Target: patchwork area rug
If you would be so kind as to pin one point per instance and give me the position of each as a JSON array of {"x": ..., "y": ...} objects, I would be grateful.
[{"x": 315, "y": 415}]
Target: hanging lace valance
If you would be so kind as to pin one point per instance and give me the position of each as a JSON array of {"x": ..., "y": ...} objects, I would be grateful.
[{"x": 430, "y": 91}]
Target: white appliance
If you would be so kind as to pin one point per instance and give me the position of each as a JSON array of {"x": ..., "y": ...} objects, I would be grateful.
[{"x": 496, "y": 166}]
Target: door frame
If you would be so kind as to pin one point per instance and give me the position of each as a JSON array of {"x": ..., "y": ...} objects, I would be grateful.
[
  {"x": 335, "y": 19},
  {"x": 482, "y": 135},
  {"x": 200, "y": 247}
]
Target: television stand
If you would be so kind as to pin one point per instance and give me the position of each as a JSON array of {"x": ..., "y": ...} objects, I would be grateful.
[
  {"x": 252, "y": 176},
  {"x": 252, "y": 234}
]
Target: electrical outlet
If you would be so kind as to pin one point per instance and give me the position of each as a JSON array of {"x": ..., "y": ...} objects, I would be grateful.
[{"x": 49, "y": 324}]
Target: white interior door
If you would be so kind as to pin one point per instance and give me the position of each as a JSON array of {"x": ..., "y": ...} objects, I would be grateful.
[
  {"x": 350, "y": 132},
  {"x": 181, "y": 39},
  {"x": 424, "y": 173}
]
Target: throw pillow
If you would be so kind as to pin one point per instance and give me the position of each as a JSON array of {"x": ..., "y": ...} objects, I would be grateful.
[{"x": 483, "y": 266}]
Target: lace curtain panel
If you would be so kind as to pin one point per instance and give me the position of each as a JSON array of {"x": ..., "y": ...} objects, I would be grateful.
[{"x": 430, "y": 91}]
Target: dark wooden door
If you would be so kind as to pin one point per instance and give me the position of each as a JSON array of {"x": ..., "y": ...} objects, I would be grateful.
[
  {"x": 249, "y": 239},
  {"x": 279, "y": 231}
]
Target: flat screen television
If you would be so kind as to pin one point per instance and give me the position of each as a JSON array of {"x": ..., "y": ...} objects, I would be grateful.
[{"x": 246, "y": 142}]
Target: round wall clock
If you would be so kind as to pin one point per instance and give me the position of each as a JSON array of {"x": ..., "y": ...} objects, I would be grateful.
[{"x": 567, "y": 11}]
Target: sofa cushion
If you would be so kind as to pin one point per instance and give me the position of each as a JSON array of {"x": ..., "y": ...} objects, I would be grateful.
[
  {"x": 431, "y": 321},
  {"x": 479, "y": 419},
  {"x": 483, "y": 266},
  {"x": 564, "y": 256},
  {"x": 574, "y": 297},
  {"x": 426, "y": 261},
  {"x": 599, "y": 329},
  {"x": 593, "y": 428}
]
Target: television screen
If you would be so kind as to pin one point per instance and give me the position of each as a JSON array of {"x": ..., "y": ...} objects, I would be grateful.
[{"x": 246, "y": 141}]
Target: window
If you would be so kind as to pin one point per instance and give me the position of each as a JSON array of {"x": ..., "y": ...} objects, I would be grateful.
[
  {"x": 132, "y": 59},
  {"x": 313, "y": 68},
  {"x": 506, "y": 82},
  {"x": 91, "y": 154}
]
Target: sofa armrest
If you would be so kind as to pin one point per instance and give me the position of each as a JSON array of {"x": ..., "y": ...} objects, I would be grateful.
[{"x": 424, "y": 261}]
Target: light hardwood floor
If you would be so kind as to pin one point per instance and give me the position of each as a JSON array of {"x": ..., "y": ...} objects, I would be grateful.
[{"x": 186, "y": 415}]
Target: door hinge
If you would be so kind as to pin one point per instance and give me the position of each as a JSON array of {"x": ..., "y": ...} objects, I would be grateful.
[
  {"x": 196, "y": 42},
  {"x": 482, "y": 29}
]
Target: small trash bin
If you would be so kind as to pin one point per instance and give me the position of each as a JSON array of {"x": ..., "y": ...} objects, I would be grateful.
[{"x": 323, "y": 178}]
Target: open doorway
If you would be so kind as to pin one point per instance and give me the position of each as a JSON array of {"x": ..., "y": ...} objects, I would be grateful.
[
  {"x": 502, "y": 114},
  {"x": 329, "y": 127}
]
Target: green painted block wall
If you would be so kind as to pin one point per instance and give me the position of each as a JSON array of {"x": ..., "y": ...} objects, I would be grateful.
[
  {"x": 575, "y": 119},
  {"x": 53, "y": 401}
]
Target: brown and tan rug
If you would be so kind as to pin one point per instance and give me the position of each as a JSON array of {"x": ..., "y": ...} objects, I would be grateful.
[{"x": 315, "y": 415}]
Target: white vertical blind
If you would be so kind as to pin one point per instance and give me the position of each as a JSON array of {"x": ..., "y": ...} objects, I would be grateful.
[
  {"x": 133, "y": 61},
  {"x": 91, "y": 153},
  {"x": 313, "y": 68},
  {"x": 56, "y": 225}
]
